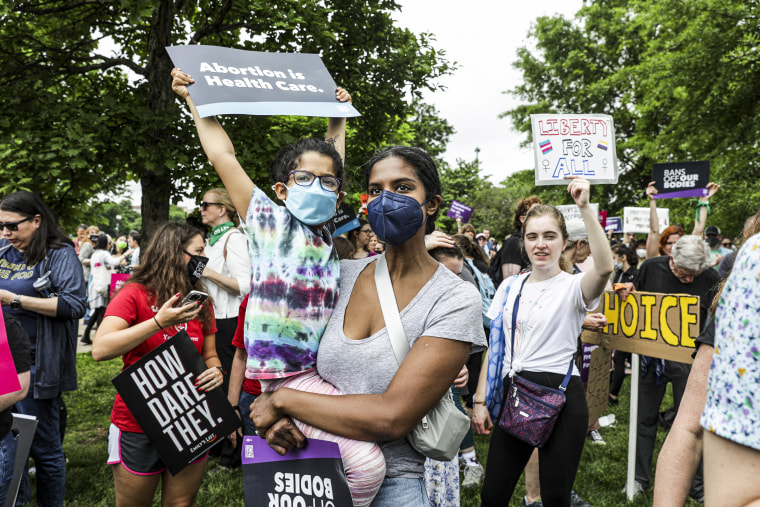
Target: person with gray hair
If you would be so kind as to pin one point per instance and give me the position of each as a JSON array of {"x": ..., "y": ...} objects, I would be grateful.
[
  {"x": 577, "y": 250},
  {"x": 684, "y": 271}
]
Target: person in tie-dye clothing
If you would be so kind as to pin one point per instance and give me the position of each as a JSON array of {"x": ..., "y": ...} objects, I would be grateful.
[
  {"x": 731, "y": 417},
  {"x": 294, "y": 270}
]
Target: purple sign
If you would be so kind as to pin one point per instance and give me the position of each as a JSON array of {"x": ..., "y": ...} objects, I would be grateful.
[
  {"x": 459, "y": 210},
  {"x": 681, "y": 179},
  {"x": 614, "y": 224},
  {"x": 312, "y": 476}
]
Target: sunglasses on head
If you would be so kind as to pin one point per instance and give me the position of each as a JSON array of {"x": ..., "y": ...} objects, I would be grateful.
[
  {"x": 13, "y": 226},
  {"x": 205, "y": 204}
]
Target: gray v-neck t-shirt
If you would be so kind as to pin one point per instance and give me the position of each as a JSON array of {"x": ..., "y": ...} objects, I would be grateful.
[{"x": 445, "y": 307}]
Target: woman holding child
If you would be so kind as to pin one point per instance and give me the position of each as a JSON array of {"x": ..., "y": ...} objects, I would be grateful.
[{"x": 381, "y": 400}]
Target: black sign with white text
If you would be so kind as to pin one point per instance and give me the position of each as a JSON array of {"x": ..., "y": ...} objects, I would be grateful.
[{"x": 180, "y": 421}]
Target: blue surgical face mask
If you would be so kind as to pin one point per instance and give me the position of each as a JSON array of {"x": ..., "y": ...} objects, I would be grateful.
[
  {"x": 312, "y": 205},
  {"x": 395, "y": 218}
]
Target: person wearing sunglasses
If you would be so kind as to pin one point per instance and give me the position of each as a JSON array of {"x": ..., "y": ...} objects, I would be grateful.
[
  {"x": 360, "y": 238},
  {"x": 228, "y": 279},
  {"x": 42, "y": 285}
]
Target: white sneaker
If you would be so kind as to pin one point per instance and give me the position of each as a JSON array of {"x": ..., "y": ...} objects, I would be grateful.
[
  {"x": 473, "y": 475},
  {"x": 607, "y": 420},
  {"x": 596, "y": 437},
  {"x": 637, "y": 489}
]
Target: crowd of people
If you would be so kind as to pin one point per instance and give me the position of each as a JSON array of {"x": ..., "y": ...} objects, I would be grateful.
[{"x": 293, "y": 313}]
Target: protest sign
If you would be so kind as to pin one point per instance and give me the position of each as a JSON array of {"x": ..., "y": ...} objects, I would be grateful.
[
  {"x": 649, "y": 323},
  {"x": 636, "y": 220},
  {"x": 603, "y": 219},
  {"x": 574, "y": 144},
  {"x": 344, "y": 219},
  {"x": 235, "y": 81},
  {"x": 8, "y": 377},
  {"x": 573, "y": 212},
  {"x": 459, "y": 210},
  {"x": 598, "y": 383},
  {"x": 117, "y": 281},
  {"x": 181, "y": 422},
  {"x": 681, "y": 179},
  {"x": 312, "y": 476},
  {"x": 364, "y": 198},
  {"x": 614, "y": 224}
]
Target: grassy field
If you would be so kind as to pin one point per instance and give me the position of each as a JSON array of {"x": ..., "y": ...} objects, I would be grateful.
[{"x": 600, "y": 478}]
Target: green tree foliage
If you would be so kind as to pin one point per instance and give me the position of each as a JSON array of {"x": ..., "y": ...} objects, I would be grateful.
[
  {"x": 75, "y": 124},
  {"x": 680, "y": 79}
]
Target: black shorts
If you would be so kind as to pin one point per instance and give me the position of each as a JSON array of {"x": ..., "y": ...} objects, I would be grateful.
[{"x": 135, "y": 452}]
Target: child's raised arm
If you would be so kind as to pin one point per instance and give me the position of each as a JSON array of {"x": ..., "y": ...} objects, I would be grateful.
[
  {"x": 336, "y": 127},
  {"x": 218, "y": 148}
]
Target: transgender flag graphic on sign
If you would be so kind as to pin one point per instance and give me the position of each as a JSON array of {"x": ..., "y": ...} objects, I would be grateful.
[{"x": 546, "y": 146}]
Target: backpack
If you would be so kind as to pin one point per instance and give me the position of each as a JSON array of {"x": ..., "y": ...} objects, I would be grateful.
[
  {"x": 494, "y": 268},
  {"x": 487, "y": 290}
]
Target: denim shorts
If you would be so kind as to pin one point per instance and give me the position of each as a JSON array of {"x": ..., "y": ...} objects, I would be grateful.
[{"x": 398, "y": 491}]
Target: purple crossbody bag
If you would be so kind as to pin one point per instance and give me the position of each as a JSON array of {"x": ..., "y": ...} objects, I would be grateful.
[{"x": 531, "y": 410}]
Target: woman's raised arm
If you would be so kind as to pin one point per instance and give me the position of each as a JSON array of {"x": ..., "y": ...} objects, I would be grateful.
[{"x": 595, "y": 280}]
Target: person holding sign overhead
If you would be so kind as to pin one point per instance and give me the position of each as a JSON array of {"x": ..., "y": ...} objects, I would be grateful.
[
  {"x": 295, "y": 269},
  {"x": 541, "y": 314},
  {"x": 662, "y": 244},
  {"x": 142, "y": 315}
]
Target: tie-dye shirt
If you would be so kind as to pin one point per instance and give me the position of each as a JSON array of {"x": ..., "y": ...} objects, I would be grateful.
[{"x": 294, "y": 289}]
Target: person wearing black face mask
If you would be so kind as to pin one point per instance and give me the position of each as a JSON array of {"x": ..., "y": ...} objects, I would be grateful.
[
  {"x": 143, "y": 314},
  {"x": 440, "y": 315}
]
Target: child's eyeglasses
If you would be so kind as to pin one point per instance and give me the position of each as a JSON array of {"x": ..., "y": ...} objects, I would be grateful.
[{"x": 305, "y": 178}]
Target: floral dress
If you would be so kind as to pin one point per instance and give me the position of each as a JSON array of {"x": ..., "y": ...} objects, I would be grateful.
[{"x": 732, "y": 410}]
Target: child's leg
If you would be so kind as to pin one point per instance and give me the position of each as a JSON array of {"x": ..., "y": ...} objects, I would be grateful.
[{"x": 363, "y": 462}]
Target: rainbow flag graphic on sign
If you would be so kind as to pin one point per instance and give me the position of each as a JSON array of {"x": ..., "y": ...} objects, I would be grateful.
[{"x": 546, "y": 146}]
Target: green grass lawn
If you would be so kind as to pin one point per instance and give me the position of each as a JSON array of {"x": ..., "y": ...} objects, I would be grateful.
[{"x": 88, "y": 480}]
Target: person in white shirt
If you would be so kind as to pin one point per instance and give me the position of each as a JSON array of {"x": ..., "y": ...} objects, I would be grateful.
[
  {"x": 552, "y": 307},
  {"x": 228, "y": 278}
]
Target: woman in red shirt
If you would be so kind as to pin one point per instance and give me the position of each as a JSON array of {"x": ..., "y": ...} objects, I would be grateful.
[{"x": 142, "y": 315}]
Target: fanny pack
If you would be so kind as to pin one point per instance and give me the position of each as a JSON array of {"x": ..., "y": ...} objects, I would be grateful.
[{"x": 530, "y": 410}]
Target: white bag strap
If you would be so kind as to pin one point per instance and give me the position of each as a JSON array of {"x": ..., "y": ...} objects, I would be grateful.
[{"x": 389, "y": 307}]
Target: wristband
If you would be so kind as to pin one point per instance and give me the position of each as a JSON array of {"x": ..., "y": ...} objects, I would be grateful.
[
  {"x": 221, "y": 370},
  {"x": 156, "y": 321},
  {"x": 700, "y": 204},
  {"x": 478, "y": 402}
]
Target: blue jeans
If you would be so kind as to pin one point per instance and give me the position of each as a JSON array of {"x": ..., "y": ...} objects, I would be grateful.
[
  {"x": 244, "y": 404},
  {"x": 397, "y": 491},
  {"x": 46, "y": 450},
  {"x": 7, "y": 458}
]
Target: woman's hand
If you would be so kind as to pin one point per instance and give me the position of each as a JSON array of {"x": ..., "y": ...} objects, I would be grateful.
[
  {"x": 6, "y": 297},
  {"x": 209, "y": 379},
  {"x": 462, "y": 378},
  {"x": 579, "y": 189},
  {"x": 436, "y": 239},
  {"x": 594, "y": 322},
  {"x": 481, "y": 420},
  {"x": 711, "y": 189},
  {"x": 180, "y": 80},
  {"x": 169, "y": 315},
  {"x": 342, "y": 95},
  {"x": 651, "y": 191}
]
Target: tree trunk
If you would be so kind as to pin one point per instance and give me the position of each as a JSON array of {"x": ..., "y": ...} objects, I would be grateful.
[{"x": 156, "y": 181}]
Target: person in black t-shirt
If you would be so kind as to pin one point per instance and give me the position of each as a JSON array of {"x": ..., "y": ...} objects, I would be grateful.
[
  {"x": 18, "y": 341},
  {"x": 511, "y": 259},
  {"x": 685, "y": 271}
]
